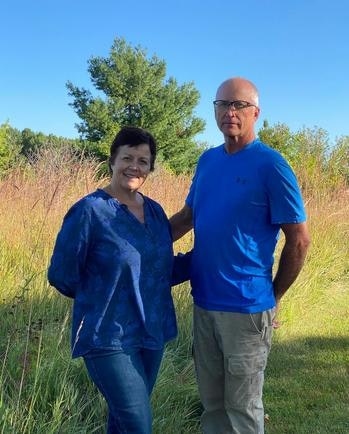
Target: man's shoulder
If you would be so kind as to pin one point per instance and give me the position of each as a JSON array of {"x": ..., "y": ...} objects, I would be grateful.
[
  {"x": 211, "y": 152},
  {"x": 267, "y": 150},
  {"x": 266, "y": 155}
]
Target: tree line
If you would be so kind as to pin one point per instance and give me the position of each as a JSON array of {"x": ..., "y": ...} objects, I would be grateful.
[{"x": 131, "y": 88}]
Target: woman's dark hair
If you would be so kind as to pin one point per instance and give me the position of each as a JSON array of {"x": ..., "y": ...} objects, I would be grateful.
[{"x": 133, "y": 136}]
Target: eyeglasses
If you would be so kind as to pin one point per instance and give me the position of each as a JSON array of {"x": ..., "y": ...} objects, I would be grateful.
[{"x": 224, "y": 106}]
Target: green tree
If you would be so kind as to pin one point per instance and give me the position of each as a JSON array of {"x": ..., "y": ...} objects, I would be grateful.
[
  {"x": 132, "y": 90},
  {"x": 32, "y": 142},
  {"x": 10, "y": 147}
]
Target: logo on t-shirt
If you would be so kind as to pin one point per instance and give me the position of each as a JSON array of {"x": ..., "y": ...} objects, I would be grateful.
[{"x": 240, "y": 180}]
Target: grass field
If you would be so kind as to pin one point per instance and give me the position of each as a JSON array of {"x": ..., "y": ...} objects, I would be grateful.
[{"x": 43, "y": 391}]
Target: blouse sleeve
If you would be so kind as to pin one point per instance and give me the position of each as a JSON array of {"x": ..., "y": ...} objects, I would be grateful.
[
  {"x": 70, "y": 251},
  {"x": 181, "y": 268}
]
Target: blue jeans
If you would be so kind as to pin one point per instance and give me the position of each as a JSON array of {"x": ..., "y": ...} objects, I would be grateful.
[{"x": 126, "y": 380}]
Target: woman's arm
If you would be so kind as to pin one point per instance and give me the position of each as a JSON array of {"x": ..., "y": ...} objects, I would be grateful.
[{"x": 70, "y": 251}]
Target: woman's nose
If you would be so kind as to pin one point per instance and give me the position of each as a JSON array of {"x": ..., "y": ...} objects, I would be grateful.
[{"x": 133, "y": 165}]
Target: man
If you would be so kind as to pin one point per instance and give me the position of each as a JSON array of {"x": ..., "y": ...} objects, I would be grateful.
[{"x": 242, "y": 194}]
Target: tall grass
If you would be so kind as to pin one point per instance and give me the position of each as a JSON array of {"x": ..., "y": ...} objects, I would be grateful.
[{"x": 43, "y": 391}]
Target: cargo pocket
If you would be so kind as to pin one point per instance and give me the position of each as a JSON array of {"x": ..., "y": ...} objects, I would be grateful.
[{"x": 244, "y": 379}]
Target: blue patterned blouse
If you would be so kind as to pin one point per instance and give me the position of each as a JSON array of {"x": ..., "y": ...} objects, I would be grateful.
[{"x": 118, "y": 271}]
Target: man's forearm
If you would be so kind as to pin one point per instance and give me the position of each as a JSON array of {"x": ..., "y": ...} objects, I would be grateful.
[
  {"x": 181, "y": 223},
  {"x": 290, "y": 264}
]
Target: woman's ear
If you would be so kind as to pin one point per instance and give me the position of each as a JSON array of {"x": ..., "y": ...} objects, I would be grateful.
[{"x": 110, "y": 167}]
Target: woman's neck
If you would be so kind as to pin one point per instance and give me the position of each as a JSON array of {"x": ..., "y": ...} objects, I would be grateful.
[
  {"x": 132, "y": 199},
  {"x": 125, "y": 197}
]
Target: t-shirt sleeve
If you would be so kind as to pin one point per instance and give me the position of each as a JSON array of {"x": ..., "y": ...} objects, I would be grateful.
[
  {"x": 285, "y": 199},
  {"x": 70, "y": 251}
]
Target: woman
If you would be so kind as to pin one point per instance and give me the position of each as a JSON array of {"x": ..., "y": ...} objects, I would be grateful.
[{"x": 114, "y": 256}]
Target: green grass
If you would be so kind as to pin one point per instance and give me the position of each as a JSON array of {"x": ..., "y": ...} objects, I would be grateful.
[
  {"x": 307, "y": 386},
  {"x": 43, "y": 391}
]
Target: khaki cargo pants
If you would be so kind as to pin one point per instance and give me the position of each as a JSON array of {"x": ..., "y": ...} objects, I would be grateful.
[{"x": 230, "y": 353}]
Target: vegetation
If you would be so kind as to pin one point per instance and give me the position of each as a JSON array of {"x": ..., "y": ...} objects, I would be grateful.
[
  {"x": 307, "y": 150},
  {"x": 136, "y": 93},
  {"x": 9, "y": 147},
  {"x": 43, "y": 391},
  {"x": 310, "y": 153},
  {"x": 17, "y": 147}
]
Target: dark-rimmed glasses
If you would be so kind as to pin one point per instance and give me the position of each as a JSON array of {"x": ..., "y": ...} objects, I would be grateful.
[{"x": 223, "y": 106}]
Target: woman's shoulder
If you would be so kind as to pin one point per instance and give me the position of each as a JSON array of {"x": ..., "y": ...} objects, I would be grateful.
[{"x": 89, "y": 202}]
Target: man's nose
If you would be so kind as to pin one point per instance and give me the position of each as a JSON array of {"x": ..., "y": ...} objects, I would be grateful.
[{"x": 231, "y": 110}]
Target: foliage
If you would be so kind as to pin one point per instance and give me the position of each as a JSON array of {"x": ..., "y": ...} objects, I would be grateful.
[
  {"x": 33, "y": 143},
  {"x": 9, "y": 147},
  {"x": 309, "y": 153},
  {"x": 338, "y": 161},
  {"x": 136, "y": 93},
  {"x": 278, "y": 137},
  {"x": 19, "y": 146},
  {"x": 306, "y": 143}
]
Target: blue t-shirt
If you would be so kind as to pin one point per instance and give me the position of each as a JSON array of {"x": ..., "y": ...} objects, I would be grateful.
[
  {"x": 118, "y": 271},
  {"x": 239, "y": 201}
]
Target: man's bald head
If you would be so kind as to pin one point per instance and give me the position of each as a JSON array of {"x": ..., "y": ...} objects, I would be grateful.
[{"x": 243, "y": 89}]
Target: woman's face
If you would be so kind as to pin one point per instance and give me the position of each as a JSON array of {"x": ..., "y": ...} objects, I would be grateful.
[{"x": 131, "y": 167}]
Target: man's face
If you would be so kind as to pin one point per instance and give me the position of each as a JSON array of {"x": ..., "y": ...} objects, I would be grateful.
[{"x": 236, "y": 122}]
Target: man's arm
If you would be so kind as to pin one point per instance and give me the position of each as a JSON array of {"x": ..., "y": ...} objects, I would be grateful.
[
  {"x": 181, "y": 222},
  {"x": 292, "y": 257}
]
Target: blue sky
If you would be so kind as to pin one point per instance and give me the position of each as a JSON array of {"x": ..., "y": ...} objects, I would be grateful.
[{"x": 296, "y": 52}]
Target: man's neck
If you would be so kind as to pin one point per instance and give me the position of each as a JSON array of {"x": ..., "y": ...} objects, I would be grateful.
[{"x": 235, "y": 144}]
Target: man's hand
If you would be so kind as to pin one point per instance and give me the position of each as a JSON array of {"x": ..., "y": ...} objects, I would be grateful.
[{"x": 276, "y": 323}]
